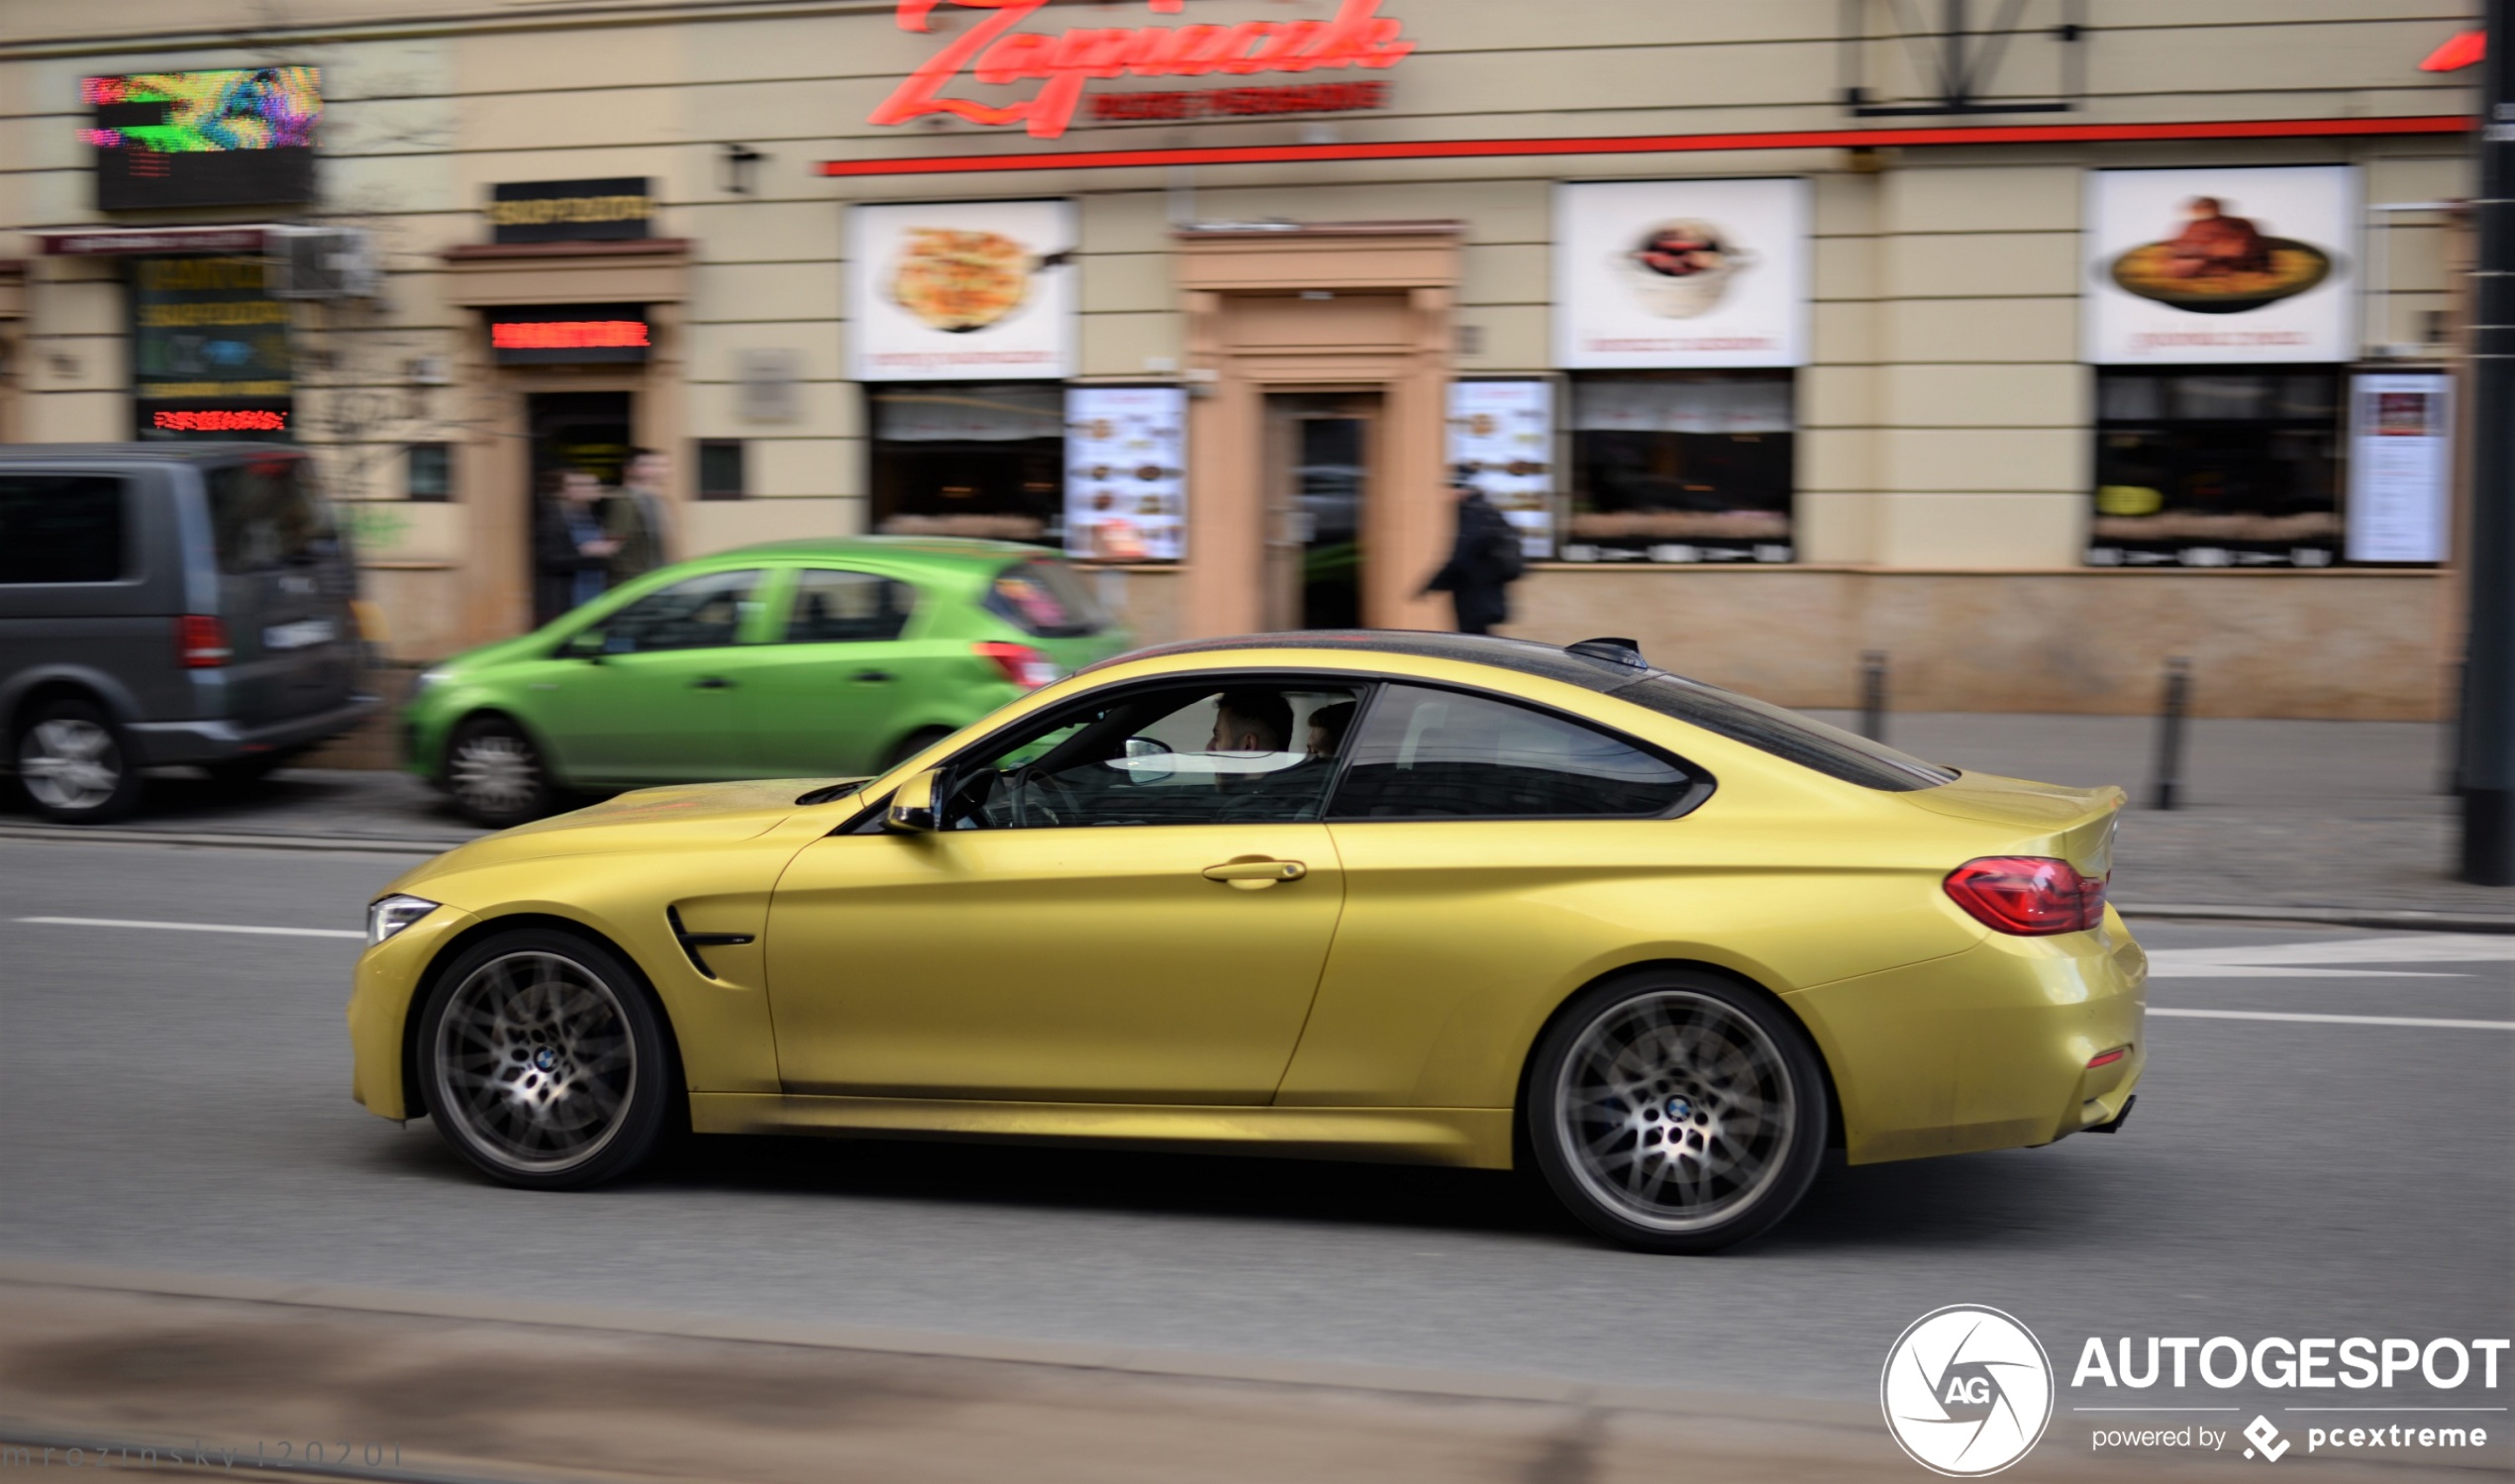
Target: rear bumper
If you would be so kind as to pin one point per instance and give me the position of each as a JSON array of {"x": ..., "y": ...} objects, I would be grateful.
[
  {"x": 1986, "y": 1050},
  {"x": 214, "y": 740}
]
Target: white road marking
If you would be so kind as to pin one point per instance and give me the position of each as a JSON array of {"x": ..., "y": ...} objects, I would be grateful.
[
  {"x": 2336, "y": 1019},
  {"x": 2304, "y": 960},
  {"x": 117, "y": 922}
]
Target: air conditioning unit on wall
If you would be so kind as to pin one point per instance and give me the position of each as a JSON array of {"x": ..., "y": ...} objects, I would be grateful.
[{"x": 323, "y": 262}]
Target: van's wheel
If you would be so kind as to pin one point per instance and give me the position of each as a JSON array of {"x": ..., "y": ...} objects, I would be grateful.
[
  {"x": 544, "y": 1062},
  {"x": 75, "y": 765},
  {"x": 495, "y": 774},
  {"x": 1676, "y": 1111}
]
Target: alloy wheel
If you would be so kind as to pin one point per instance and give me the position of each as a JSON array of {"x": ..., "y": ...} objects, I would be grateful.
[
  {"x": 536, "y": 1062},
  {"x": 70, "y": 763},
  {"x": 495, "y": 773},
  {"x": 1676, "y": 1110}
]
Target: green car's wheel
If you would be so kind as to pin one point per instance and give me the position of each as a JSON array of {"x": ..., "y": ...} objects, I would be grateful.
[
  {"x": 913, "y": 743},
  {"x": 1676, "y": 1112},
  {"x": 543, "y": 1062},
  {"x": 495, "y": 774}
]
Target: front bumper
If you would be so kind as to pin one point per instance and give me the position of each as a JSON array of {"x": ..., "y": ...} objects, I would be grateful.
[
  {"x": 381, "y": 1004},
  {"x": 1985, "y": 1049},
  {"x": 213, "y": 740}
]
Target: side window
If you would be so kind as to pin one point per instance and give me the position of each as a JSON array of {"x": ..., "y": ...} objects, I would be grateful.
[
  {"x": 60, "y": 528},
  {"x": 696, "y": 613},
  {"x": 1438, "y": 754},
  {"x": 834, "y": 607},
  {"x": 1195, "y": 755}
]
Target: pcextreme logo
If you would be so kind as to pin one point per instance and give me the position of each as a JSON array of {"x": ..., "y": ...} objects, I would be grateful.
[{"x": 1967, "y": 1391}]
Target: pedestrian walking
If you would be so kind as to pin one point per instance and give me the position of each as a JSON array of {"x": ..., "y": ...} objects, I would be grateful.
[
  {"x": 1483, "y": 563},
  {"x": 572, "y": 553},
  {"x": 639, "y": 515}
]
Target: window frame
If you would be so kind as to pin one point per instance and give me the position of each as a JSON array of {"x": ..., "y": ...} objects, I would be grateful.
[{"x": 1374, "y": 684}]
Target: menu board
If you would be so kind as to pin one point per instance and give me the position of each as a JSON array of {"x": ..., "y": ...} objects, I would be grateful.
[
  {"x": 2401, "y": 467},
  {"x": 1126, "y": 472},
  {"x": 1502, "y": 441}
]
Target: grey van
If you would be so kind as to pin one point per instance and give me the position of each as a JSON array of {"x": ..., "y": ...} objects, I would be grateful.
[{"x": 167, "y": 603}]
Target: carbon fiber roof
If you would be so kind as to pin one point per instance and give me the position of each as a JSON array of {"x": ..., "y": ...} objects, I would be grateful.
[{"x": 1526, "y": 656}]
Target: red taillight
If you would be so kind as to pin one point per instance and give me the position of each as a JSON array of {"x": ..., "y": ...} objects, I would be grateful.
[
  {"x": 2107, "y": 1058},
  {"x": 200, "y": 642},
  {"x": 2028, "y": 895},
  {"x": 1023, "y": 665}
]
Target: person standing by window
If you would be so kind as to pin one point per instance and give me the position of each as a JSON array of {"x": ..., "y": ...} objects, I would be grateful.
[
  {"x": 1484, "y": 563},
  {"x": 638, "y": 518},
  {"x": 571, "y": 554}
]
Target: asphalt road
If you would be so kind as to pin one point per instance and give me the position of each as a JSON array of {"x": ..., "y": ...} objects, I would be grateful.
[{"x": 179, "y": 1101}]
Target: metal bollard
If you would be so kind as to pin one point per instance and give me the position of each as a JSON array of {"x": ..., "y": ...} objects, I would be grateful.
[
  {"x": 2168, "y": 790},
  {"x": 2449, "y": 756},
  {"x": 1873, "y": 694}
]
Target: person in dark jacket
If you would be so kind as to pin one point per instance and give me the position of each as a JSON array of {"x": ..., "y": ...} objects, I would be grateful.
[
  {"x": 1483, "y": 563},
  {"x": 571, "y": 554}
]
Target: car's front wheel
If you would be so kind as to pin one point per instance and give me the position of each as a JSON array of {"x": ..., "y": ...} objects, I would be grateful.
[
  {"x": 495, "y": 774},
  {"x": 1676, "y": 1111},
  {"x": 73, "y": 765},
  {"x": 543, "y": 1062}
]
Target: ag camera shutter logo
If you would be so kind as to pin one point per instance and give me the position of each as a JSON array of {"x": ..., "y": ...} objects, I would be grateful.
[{"x": 1967, "y": 1391}]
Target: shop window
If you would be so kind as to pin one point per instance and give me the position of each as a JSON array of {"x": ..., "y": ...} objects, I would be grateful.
[
  {"x": 2217, "y": 467},
  {"x": 1681, "y": 466},
  {"x": 721, "y": 469},
  {"x": 428, "y": 472},
  {"x": 969, "y": 459}
]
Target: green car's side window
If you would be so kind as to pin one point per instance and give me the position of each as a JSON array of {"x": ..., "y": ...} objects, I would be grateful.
[
  {"x": 697, "y": 613},
  {"x": 833, "y": 606}
]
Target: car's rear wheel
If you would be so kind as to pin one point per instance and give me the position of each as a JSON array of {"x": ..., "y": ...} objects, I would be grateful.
[
  {"x": 543, "y": 1062},
  {"x": 1676, "y": 1111},
  {"x": 74, "y": 765},
  {"x": 913, "y": 743},
  {"x": 495, "y": 774}
]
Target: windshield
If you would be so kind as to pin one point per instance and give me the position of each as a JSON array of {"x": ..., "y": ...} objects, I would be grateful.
[
  {"x": 266, "y": 514},
  {"x": 1830, "y": 750},
  {"x": 1045, "y": 599}
]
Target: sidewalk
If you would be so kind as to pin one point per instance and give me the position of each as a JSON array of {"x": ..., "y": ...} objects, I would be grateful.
[{"x": 2297, "y": 817}]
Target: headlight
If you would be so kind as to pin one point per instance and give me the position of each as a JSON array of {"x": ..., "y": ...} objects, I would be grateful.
[
  {"x": 392, "y": 915},
  {"x": 427, "y": 678}
]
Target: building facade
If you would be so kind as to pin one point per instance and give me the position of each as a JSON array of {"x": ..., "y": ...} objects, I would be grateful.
[{"x": 1783, "y": 334}]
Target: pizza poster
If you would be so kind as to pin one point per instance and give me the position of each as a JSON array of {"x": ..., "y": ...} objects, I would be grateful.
[{"x": 961, "y": 291}]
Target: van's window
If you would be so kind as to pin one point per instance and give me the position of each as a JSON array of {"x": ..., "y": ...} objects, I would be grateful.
[
  {"x": 1438, "y": 754},
  {"x": 1785, "y": 733},
  {"x": 1047, "y": 599},
  {"x": 266, "y": 515},
  {"x": 60, "y": 528}
]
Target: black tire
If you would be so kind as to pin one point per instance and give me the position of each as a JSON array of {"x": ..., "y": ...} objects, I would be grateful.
[
  {"x": 74, "y": 763},
  {"x": 913, "y": 743},
  {"x": 1654, "y": 1081},
  {"x": 543, "y": 1060},
  {"x": 495, "y": 774}
]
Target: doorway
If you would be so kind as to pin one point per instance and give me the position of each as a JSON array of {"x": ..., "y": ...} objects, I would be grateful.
[
  {"x": 587, "y": 431},
  {"x": 1319, "y": 478}
]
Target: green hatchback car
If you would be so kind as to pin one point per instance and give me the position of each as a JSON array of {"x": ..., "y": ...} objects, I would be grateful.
[{"x": 806, "y": 658}]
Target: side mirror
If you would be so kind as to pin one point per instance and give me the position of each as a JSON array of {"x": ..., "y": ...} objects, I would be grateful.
[{"x": 913, "y": 808}]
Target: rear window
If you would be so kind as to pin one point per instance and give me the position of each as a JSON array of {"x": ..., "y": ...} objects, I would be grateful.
[
  {"x": 1047, "y": 599},
  {"x": 60, "y": 528},
  {"x": 1785, "y": 733},
  {"x": 266, "y": 514}
]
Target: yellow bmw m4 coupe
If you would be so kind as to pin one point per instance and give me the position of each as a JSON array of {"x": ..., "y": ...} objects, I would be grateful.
[{"x": 1369, "y": 895}]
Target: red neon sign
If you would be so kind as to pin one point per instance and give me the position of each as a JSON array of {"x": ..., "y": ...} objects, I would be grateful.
[
  {"x": 220, "y": 420},
  {"x": 568, "y": 334},
  {"x": 996, "y": 52}
]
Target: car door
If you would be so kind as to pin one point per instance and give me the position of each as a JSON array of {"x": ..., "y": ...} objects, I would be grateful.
[
  {"x": 1117, "y": 908},
  {"x": 650, "y": 698},
  {"x": 819, "y": 699}
]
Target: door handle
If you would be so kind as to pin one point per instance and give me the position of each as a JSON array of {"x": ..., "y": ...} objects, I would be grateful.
[
  {"x": 874, "y": 677},
  {"x": 1249, "y": 875},
  {"x": 711, "y": 682}
]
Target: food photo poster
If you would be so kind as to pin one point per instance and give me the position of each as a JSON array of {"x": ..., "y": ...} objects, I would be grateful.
[
  {"x": 961, "y": 290},
  {"x": 1660, "y": 274},
  {"x": 2218, "y": 267}
]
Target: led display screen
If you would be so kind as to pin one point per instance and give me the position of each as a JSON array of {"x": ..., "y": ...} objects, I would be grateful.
[
  {"x": 570, "y": 334},
  {"x": 242, "y": 137}
]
